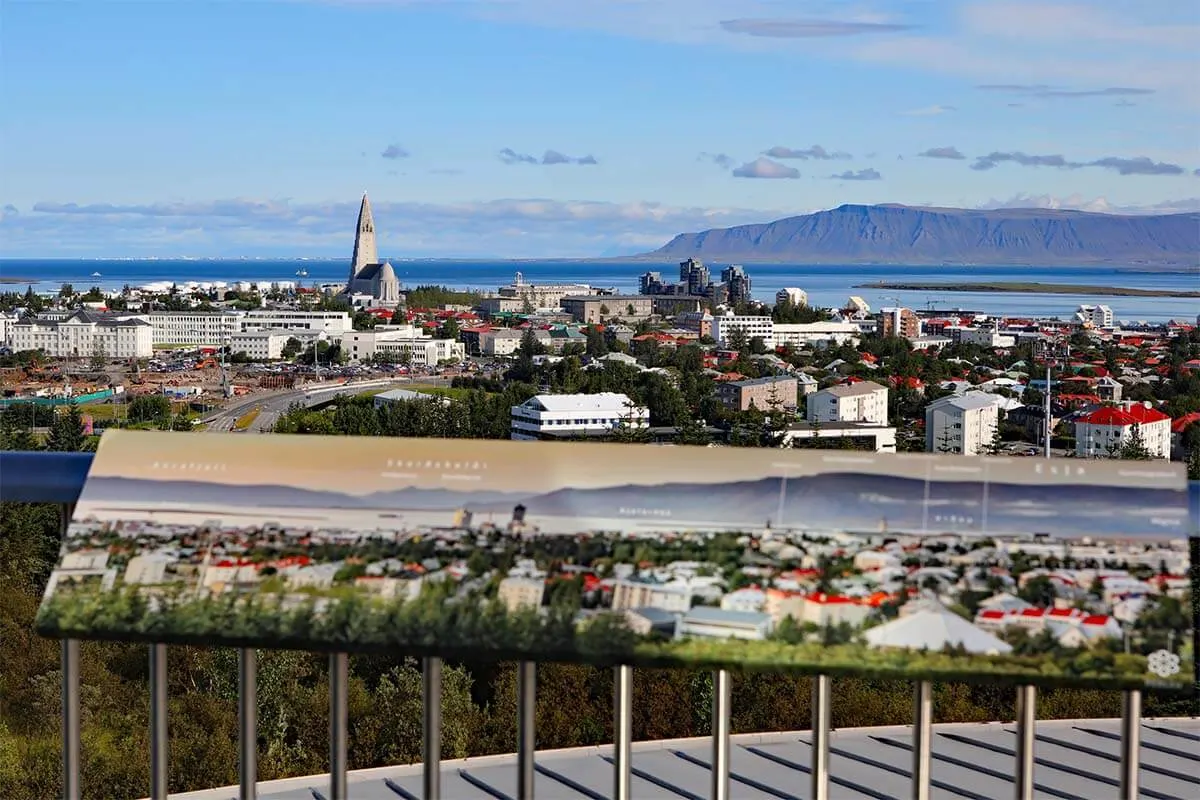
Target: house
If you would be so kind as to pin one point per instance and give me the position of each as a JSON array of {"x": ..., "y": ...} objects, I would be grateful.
[
  {"x": 964, "y": 424},
  {"x": 648, "y": 621},
  {"x": 719, "y": 623},
  {"x": 639, "y": 594},
  {"x": 933, "y": 629},
  {"x": 1108, "y": 389},
  {"x": 863, "y": 401},
  {"x": 1103, "y": 432},
  {"x": 566, "y": 416},
  {"x": 750, "y": 598}
]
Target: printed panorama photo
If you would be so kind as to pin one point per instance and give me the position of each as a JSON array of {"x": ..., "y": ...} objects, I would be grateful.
[{"x": 1055, "y": 572}]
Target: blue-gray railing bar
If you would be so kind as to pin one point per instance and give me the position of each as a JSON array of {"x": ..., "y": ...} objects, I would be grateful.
[
  {"x": 247, "y": 724},
  {"x": 1131, "y": 744},
  {"x": 431, "y": 728},
  {"x": 70, "y": 718},
  {"x": 159, "y": 740},
  {"x": 339, "y": 721},
  {"x": 721, "y": 692},
  {"x": 43, "y": 477},
  {"x": 623, "y": 732},
  {"x": 1026, "y": 736},
  {"x": 526, "y": 730},
  {"x": 922, "y": 749},
  {"x": 822, "y": 714}
]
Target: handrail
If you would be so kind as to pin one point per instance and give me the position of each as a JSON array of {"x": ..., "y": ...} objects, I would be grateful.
[{"x": 52, "y": 477}]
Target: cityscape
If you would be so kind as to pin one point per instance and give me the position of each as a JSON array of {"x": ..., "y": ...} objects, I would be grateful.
[{"x": 599, "y": 399}]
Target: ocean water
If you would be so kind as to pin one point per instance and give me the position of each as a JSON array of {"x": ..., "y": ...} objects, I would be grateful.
[{"x": 826, "y": 284}]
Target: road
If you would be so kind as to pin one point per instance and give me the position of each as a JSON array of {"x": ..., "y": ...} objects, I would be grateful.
[{"x": 272, "y": 406}]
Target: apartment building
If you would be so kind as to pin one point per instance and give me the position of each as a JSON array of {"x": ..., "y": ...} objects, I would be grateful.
[
  {"x": 519, "y": 593},
  {"x": 84, "y": 334},
  {"x": 259, "y": 345},
  {"x": 964, "y": 424},
  {"x": 763, "y": 393},
  {"x": 1098, "y": 316},
  {"x": 1103, "y": 432},
  {"x": 984, "y": 336},
  {"x": 593, "y": 308},
  {"x": 194, "y": 328},
  {"x": 630, "y": 594},
  {"x": 330, "y": 322},
  {"x": 820, "y": 334},
  {"x": 899, "y": 321},
  {"x": 559, "y": 416},
  {"x": 863, "y": 401},
  {"x": 730, "y": 325},
  {"x": 791, "y": 296},
  {"x": 698, "y": 322}
]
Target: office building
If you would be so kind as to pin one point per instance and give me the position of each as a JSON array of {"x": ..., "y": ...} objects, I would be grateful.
[
  {"x": 84, "y": 334},
  {"x": 564, "y": 416}
]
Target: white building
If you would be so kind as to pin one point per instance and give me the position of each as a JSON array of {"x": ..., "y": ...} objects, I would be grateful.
[
  {"x": 963, "y": 424},
  {"x": 6, "y": 322},
  {"x": 542, "y": 295},
  {"x": 985, "y": 337},
  {"x": 331, "y": 322},
  {"x": 567, "y": 415},
  {"x": 1103, "y": 432},
  {"x": 800, "y": 334},
  {"x": 84, "y": 334},
  {"x": 196, "y": 328},
  {"x": 1100, "y": 316},
  {"x": 864, "y": 401},
  {"x": 259, "y": 345},
  {"x": 726, "y": 326},
  {"x": 401, "y": 344},
  {"x": 630, "y": 594},
  {"x": 792, "y": 296}
]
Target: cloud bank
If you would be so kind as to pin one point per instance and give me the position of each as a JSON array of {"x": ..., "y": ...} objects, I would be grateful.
[
  {"x": 549, "y": 158},
  {"x": 815, "y": 152},
  {"x": 1138, "y": 165},
  {"x": 860, "y": 175},
  {"x": 765, "y": 168},
  {"x": 951, "y": 153},
  {"x": 394, "y": 151}
]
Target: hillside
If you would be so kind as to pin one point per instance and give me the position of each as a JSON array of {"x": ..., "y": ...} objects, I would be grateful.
[{"x": 895, "y": 234}]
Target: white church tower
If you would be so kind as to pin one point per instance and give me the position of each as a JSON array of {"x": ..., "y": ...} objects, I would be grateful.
[{"x": 365, "y": 251}]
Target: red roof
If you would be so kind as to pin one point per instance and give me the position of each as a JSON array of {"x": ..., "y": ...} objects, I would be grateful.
[
  {"x": 992, "y": 613},
  {"x": 1182, "y": 424},
  {"x": 1061, "y": 612},
  {"x": 1135, "y": 414},
  {"x": 1094, "y": 619}
]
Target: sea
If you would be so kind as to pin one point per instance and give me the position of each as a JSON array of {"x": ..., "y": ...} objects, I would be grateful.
[{"x": 826, "y": 284}]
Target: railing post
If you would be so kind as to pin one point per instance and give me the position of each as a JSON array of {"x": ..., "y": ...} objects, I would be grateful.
[
  {"x": 526, "y": 731},
  {"x": 70, "y": 719},
  {"x": 159, "y": 743},
  {"x": 247, "y": 724},
  {"x": 431, "y": 727},
  {"x": 1026, "y": 733},
  {"x": 1131, "y": 743},
  {"x": 822, "y": 702},
  {"x": 922, "y": 739},
  {"x": 622, "y": 732},
  {"x": 339, "y": 720},
  {"x": 720, "y": 735}
]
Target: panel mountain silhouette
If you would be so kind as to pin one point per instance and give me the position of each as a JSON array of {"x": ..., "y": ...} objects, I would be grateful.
[{"x": 896, "y": 234}]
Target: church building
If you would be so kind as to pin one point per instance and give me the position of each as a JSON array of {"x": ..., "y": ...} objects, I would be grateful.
[{"x": 371, "y": 283}]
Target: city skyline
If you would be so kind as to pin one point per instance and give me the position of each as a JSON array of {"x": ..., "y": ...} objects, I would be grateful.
[{"x": 606, "y": 127}]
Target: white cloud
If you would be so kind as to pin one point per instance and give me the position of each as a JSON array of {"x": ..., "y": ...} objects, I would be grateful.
[
  {"x": 506, "y": 228},
  {"x": 1078, "y": 202},
  {"x": 765, "y": 168}
]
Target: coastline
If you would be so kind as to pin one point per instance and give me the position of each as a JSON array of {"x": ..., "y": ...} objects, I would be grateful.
[{"x": 1018, "y": 287}]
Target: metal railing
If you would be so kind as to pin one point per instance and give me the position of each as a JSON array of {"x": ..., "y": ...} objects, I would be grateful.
[{"x": 58, "y": 478}]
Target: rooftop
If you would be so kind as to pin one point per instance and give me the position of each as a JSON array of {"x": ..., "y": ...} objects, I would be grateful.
[
  {"x": 1075, "y": 759},
  {"x": 855, "y": 389}
]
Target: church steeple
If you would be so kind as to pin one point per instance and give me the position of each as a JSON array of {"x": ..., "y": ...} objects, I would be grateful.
[{"x": 364, "y": 240}]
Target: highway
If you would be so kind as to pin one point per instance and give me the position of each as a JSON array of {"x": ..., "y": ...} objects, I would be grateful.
[{"x": 273, "y": 405}]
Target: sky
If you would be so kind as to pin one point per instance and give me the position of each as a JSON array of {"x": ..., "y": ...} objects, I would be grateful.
[{"x": 571, "y": 128}]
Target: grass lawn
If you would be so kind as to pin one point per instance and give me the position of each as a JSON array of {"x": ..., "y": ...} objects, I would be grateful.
[{"x": 246, "y": 420}]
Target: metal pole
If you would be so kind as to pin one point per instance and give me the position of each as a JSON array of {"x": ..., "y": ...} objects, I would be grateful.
[
  {"x": 922, "y": 739},
  {"x": 431, "y": 724},
  {"x": 339, "y": 721},
  {"x": 1046, "y": 428},
  {"x": 822, "y": 702},
  {"x": 623, "y": 733},
  {"x": 247, "y": 723},
  {"x": 1026, "y": 731},
  {"x": 720, "y": 735},
  {"x": 159, "y": 744},
  {"x": 70, "y": 719},
  {"x": 526, "y": 731},
  {"x": 1131, "y": 743}
]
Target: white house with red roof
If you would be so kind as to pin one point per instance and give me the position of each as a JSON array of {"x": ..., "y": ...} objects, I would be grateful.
[{"x": 1103, "y": 431}]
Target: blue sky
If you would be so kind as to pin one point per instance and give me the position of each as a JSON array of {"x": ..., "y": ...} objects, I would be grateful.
[{"x": 571, "y": 127}]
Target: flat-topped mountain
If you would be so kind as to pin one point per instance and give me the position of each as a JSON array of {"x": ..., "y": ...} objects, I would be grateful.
[{"x": 896, "y": 234}]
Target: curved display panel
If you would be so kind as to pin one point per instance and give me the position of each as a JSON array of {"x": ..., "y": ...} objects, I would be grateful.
[{"x": 1053, "y": 572}]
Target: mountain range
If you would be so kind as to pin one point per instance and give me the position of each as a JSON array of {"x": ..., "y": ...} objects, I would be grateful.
[{"x": 897, "y": 234}]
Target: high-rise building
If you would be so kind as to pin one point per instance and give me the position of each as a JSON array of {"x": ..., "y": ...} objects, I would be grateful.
[
  {"x": 791, "y": 296},
  {"x": 650, "y": 283},
  {"x": 902, "y": 322},
  {"x": 737, "y": 284},
  {"x": 695, "y": 275}
]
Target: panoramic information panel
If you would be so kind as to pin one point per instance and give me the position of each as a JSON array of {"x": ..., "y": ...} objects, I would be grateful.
[{"x": 1044, "y": 571}]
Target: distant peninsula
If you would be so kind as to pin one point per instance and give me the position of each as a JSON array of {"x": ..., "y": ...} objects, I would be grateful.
[
  {"x": 918, "y": 236},
  {"x": 1020, "y": 287}
]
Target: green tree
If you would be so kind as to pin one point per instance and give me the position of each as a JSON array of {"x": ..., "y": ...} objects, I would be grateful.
[
  {"x": 66, "y": 433},
  {"x": 1132, "y": 449}
]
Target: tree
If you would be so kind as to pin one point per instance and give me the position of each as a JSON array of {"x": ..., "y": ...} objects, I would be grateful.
[
  {"x": 1132, "y": 449},
  {"x": 736, "y": 340},
  {"x": 449, "y": 329},
  {"x": 99, "y": 358},
  {"x": 364, "y": 321},
  {"x": 66, "y": 291},
  {"x": 66, "y": 433},
  {"x": 150, "y": 408}
]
